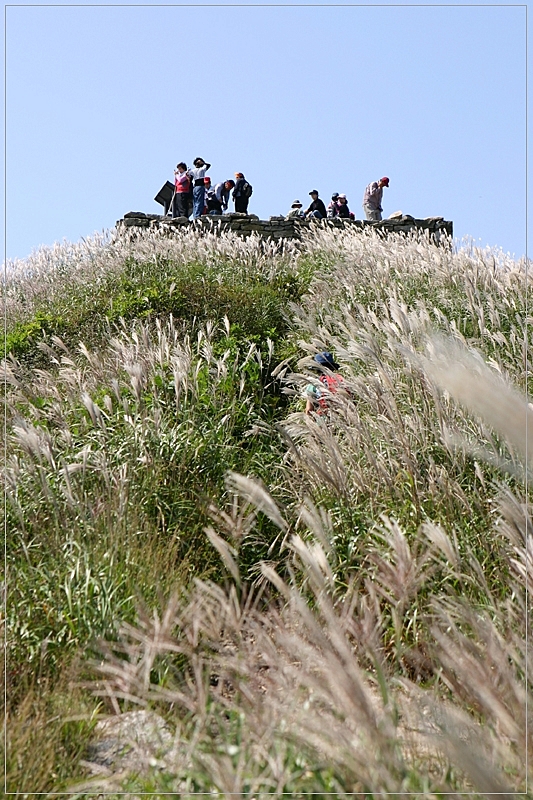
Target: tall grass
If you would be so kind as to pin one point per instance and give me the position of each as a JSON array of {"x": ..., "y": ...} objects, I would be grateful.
[{"x": 315, "y": 604}]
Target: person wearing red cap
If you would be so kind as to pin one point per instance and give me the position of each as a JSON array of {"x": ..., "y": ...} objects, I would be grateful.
[
  {"x": 209, "y": 192},
  {"x": 372, "y": 199}
]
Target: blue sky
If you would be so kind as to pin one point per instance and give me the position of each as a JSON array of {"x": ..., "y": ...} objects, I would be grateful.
[{"x": 103, "y": 101}]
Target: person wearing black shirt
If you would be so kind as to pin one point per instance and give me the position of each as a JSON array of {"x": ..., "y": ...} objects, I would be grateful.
[
  {"x": 241, "y": 199},
  {"x": 317, "y": 208}
]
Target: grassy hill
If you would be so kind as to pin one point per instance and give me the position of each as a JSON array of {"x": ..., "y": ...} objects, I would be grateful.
[{"x": 310, "y": 604}]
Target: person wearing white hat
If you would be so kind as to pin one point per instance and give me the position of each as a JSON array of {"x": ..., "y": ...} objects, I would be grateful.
[
  {"x": 295, "y": 211},
  {"x": 342, "y": 208}
]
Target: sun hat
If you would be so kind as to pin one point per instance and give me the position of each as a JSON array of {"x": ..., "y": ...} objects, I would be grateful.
[
  {"x": 296, "y": 204},
  {"x": 325, "y": 359},
  {"x": 385, "y": 180}
]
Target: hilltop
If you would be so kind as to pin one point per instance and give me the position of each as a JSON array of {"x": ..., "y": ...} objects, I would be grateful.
[{"x": 289, "y": 603}]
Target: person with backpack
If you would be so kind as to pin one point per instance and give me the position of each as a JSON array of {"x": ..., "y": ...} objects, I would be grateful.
[
  {"x": 198, "y": 190},
  {"x": 241, "y": 193},
  {"x": 318, "y": 397},
  {"x": 182, "y": 183}
]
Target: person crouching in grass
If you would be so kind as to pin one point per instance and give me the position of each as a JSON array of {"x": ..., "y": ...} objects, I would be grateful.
[{"x": 318, "y": 397}]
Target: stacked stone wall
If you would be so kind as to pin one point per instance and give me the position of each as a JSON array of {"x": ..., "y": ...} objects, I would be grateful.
[{"x": 279, "y": 228}]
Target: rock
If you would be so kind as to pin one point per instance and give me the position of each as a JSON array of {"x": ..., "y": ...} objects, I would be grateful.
[
  {"x": 130, "y": 742},
  {"x": 136, "y": 222},
  {"x": 142, "y": 215},
  {"x": 278, "y": 227}
]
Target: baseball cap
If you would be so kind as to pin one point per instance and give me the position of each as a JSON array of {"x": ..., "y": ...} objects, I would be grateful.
[
  {"x": 325, "y": 359},
  {"x": 385, "y": 180},
  {"x": 313, "y": 191}
]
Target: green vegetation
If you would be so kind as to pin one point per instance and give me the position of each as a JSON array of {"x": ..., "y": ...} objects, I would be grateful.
[{"x": 309, "y": 603}]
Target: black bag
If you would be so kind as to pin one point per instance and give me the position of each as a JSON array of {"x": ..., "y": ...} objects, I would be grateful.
[
  {"x": 246, "y": 190},
  {"x": 213, "y": 203}
]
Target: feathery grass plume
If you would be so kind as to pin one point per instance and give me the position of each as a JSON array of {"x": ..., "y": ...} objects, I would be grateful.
[
  {"x": 470, "y": 382},
  {"x": 294, "y": 672},
  {"x": 402, "y": 573},
  {"x": 516, "y": 525}
]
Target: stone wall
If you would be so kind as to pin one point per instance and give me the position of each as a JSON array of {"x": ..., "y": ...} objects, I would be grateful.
[{"x": 278, "y": 228}]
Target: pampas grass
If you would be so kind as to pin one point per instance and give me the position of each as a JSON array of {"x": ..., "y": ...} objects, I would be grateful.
[{"x": 316, "y": 604}]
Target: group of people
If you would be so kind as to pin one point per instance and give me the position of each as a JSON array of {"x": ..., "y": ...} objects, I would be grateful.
[
  {"x": 339, "y": 204},
  {"x": 195, "y": 194}
]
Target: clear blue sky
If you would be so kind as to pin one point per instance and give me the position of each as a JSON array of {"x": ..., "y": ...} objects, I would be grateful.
[{"x": 103, "y": 101}]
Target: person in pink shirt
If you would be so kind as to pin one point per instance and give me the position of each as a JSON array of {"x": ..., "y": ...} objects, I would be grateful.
[{"x": 182, "y": 182}]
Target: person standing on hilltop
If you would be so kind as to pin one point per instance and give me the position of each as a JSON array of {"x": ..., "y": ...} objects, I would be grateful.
[
  {"x": 372, "y": 199},
  {"x": 198, "y": 191},
  {"x": 241, "y": 193},
  {"x": 182, "y": 183},
  {"x": 209, "y": 193}
]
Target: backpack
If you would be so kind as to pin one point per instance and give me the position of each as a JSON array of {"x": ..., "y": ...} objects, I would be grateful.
[
  {"x": 246, "y": 190},
  {"x": 332, "y": 384}
]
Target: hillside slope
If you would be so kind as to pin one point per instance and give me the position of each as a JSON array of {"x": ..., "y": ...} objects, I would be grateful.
[{"x": 313, "y": 603}]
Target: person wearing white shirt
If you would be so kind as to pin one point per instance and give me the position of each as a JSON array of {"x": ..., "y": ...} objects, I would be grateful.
[{"x": 198, "y": 190}]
